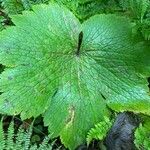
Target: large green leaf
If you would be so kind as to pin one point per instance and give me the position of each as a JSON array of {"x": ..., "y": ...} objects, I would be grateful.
[
  {"x": 68, "y": 71},
  {"x": 35, "y": 52}
]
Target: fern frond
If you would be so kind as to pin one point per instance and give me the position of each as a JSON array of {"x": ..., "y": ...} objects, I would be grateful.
[
  {"x": 19, "y": 139},
  {"x": 137, "y": 7},
  {"x": 10, "y": 136},
  {"x": 28, "y": 137},
  {"x": 146, "y": 29},
  {"x": 43, "y": 145},
  {"x": 34, "y": 147},
  {"x": 2, "y": 137},
  {"x": 83, "y": 9},
  {"x": 99, "y": 131},
  {"x": 142, "y": 139}
]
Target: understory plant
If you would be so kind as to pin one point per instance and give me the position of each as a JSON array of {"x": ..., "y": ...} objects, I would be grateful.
[
  {"x": 20, "y": 139},
  {"x": 75, "y": 69},
  {"x": 142, "y": 135}
]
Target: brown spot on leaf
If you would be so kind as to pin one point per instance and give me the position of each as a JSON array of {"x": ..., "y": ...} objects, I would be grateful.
[{"x": 71, "y": 115}]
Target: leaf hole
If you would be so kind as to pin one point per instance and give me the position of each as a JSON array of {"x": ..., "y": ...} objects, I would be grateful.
[
  {"x": 79, "y": 43},
  {"x": 103, "y": 96},
  {"x": 148, "y": 79}
]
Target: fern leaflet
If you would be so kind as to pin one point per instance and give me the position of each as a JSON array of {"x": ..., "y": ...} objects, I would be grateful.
[{"x": 99, "y": 131}]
